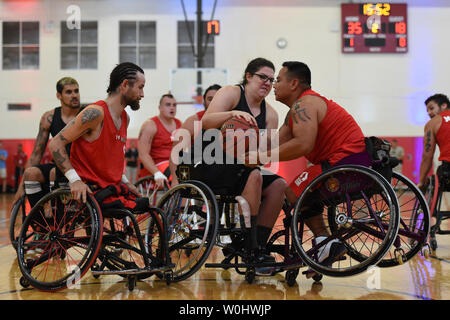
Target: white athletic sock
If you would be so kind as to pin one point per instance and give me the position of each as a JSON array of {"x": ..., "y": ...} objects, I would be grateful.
[{"x": 32, "y": 187}]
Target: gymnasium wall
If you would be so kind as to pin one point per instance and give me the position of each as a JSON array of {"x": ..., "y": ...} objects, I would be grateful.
[{"x": 384, "y": 92}]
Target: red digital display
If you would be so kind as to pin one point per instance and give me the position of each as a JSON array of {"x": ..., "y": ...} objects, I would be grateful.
[{"x": 374, "y": 28}]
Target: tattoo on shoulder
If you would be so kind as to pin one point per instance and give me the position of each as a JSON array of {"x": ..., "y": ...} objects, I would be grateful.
[
  {"x": 89, "y": 115},
  {"x": 300, "y": 113},
  {"x": 50, "y": 118}
]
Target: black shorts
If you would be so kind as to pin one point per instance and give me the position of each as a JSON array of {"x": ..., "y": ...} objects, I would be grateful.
[
  {"x": 443, "y": 173},
  {"x": 46, "y": 168},
  {"x": 223, "y": 179}
]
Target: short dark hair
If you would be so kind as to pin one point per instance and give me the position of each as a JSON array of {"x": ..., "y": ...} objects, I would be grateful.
[
  {"x": 63, "y": 82},
  {"x": 213, "y": 87},
  {"x": 122, "y": 71},
  {"x": 439, "y": 98},
  {"x": 299, "y": 70},
  {"x": 166, "y": 95},
  {"x": 254, "y": 66}
]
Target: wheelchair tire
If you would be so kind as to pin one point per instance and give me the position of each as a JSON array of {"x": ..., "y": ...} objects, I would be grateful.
[
  {"x": 414, "y": 227},
  {"x": 146, "y": 187},
  {"x": 58, "y": 224},
  {"x": 373, "y": 217},
  {"x": 18, "y": 214},
  {"x": 193, "y": 220}
]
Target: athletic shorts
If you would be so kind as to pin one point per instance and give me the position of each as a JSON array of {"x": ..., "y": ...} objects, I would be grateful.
[
  {"x": 163, "y": 166},
  {"x": 45, "y": 169},
  {"x": 3, "y": 173},
  {"x": 223, "y": 179},
  {"x": 306, "y": 177}
]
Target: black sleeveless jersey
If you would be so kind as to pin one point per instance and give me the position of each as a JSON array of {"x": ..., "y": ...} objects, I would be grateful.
[
  {"x": 58, "y": 124},
  {"x": 243, "y": 106}
]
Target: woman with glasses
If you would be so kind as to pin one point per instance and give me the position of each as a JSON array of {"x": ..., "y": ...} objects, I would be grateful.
[{"x": 263, "y": 190}]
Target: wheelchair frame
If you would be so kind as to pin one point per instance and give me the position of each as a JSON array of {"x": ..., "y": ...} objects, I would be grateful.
[
  {"x": 284, "y": 242},
  {"x": 72, "y": 237},
  {"x": 434, "y": 194}
]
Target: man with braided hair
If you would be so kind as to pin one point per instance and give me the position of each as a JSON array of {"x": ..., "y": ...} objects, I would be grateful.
[{"x": 98, "y": 136}]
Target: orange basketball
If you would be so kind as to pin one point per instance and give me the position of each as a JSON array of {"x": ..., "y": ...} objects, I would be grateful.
[{"x": 239, "y": 135}]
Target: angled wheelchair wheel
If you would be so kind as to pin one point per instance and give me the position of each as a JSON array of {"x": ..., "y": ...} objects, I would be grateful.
[
  {"x": 59, "y": 241},
  {"x": 414, "y": 227},
  {"x": 130, "y": 242},
  {"x": 431, "y": 192},
  {"x": 147, "y": 188},
  {"x": 192, "y": 223},
  {"x": 355, "y": 210},
  {"x": 19, "y": 212}
]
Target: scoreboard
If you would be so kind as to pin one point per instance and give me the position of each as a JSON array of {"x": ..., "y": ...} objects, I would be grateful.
[{"x": 374, "y": 28}]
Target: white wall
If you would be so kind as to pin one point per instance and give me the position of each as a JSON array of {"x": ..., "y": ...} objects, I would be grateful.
[{"x": 384, "y": 92}]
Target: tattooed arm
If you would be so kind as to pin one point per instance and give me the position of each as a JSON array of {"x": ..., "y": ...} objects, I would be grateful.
[
  {"x": 87, "y": 125},
  {"x": 305, "y": 115},
  {"x": 429, "y": 146},
  {"x": 41, "y": 139},
  {"x": 39, "y": 147}
]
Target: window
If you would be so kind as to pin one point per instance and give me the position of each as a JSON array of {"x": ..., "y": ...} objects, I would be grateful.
[
  {"x": 79, "y": 46},
  {"x": 186, "y": 58},
  {"x": 20, "y": 45},
  {"x": 138, "y": 43}
]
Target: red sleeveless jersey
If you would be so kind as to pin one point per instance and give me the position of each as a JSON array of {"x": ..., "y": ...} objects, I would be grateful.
[
  {"x": 443, "y": 136},
  {"x": 338, "y": 134},
  {"x": 101, "y": 162},
  {"x": 200, "y": 114},
  {"x": 162, "y": 141}
]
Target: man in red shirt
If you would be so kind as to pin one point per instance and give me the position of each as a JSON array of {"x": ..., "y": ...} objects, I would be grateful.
[
  {"x": 20, "y": 159},
  {"x": 98, "y": 135},
  {"x": 437, "y": 132},
  {"x": 155, "y": 140},
  {"x": 320, "y": 130}
]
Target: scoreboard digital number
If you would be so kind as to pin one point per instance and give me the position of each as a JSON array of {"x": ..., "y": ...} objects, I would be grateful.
[{"x": 374, "y": 28}]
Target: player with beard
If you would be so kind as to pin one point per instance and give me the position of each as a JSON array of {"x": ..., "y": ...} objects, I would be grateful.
[
  {"x": 155, "y": 140},
  {"x": 98, "y": 136},
  {"x": 36, "y": 177}
]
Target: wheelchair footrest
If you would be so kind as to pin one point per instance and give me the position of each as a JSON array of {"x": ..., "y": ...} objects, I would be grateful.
[{"x": 132, "y": 271}]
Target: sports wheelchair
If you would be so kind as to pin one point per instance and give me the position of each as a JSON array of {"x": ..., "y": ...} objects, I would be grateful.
[
  {"x": 62, "y": 238},
  {"x": 359, "y": 208},
  {"x": 22, "y": 207},
  {"x": 434, "y": 190},
  {"x": 147, "y": 187}
]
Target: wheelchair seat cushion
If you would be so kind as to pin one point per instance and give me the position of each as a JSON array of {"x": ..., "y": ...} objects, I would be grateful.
[{"x": 119, "y": 197}]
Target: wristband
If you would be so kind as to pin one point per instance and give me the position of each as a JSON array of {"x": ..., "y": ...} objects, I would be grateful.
[
  {"x": 125, "y": 179},
  {"x": 159, "y": 175},
  {"x": 72, "y": 175}
]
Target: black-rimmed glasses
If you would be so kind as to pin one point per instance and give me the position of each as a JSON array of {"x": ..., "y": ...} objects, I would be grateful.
[{"x": 265, "y": 78}]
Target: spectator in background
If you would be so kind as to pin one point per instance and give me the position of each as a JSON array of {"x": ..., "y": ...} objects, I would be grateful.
[
  {"x": 20, "y": 159},
  {"x": 155, "y": 140},
  {"x": 131, "y": 157},
  {"x": 397, "y": 152},
  {"x": 3, "y": 175}
]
